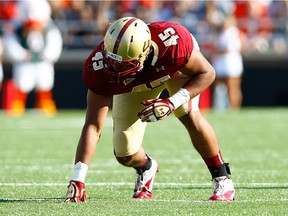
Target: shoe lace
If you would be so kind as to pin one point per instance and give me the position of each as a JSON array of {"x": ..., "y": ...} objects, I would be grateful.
[
  {"x": 139, "y": 181},
  {"x": 218, "y": 185}
]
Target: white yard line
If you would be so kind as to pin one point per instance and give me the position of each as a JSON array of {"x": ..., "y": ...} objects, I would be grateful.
[
  {"x": 153, "y": 200},
  {"x": 238, "y": 201},
  {"x": 168, "y": 184}
]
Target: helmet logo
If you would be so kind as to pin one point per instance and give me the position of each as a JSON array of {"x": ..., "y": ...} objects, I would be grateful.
[
  {"x": 146, "y": 45},
  {"x": 114, "y": 56}
]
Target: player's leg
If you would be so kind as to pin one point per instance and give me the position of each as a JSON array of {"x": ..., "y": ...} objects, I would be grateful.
[
  {"x": 127, "y": 139},
  {"x": 234, "y": 92},
  {"x": 44, "y": 85},
  {"x": 205, "y": 142},
  {"x": 129, "y": 130},
  {"x": 24, "y": 80}
]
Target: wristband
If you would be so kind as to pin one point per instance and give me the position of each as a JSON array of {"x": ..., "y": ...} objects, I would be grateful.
[{"x": 180, "y": 97}]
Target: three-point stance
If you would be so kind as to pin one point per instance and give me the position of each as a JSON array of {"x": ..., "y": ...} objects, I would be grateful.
[{"x": 133, "y": 64}]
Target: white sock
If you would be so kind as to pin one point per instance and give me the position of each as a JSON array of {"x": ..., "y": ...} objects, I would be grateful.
[{"x": 80, "y": 171}]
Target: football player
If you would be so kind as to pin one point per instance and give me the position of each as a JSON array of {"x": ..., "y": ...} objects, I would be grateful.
[{"x": 133, "y": 65}]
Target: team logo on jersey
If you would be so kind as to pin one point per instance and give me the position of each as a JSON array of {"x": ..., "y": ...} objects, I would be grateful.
[
  {"x": 127, "y": 81},
  {"x": 160, "y": 69}
]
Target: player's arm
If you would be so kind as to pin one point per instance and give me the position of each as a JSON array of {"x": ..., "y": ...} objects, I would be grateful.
[
  {"x": 201, "y": 74},
  {"x": 96, "y": 113}
]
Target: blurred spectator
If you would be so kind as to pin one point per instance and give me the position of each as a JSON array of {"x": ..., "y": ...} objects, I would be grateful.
[
  {"x": 254, "y": 20},
  {"x": 81, "y": 29},
  {"x": 124, "y": 8},
  {"x": 1, "y": 66},
  {"x": 187, "y": 13},
  {"x": 7, "y": 12},
  {"x": 58, "y": 8},
  {"x": 33, "y": 46},
  {"x": 104, "y": 16},
  {"x": 278, "y": 10},
  {"x": 146, "y": 10},
  {"x": 166, "y": 10},
  {"x": 228, "y": 63},
  {"x": 264, "y": 22}
]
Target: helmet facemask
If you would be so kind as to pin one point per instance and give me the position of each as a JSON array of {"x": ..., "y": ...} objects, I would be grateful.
[{"x": 117, "y": 68}]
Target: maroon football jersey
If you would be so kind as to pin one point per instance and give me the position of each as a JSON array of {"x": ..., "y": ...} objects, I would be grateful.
[{"x": 175, "y": 46}]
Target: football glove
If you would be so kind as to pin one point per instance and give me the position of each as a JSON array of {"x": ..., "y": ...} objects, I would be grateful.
[{"x": 156, "y": 109}]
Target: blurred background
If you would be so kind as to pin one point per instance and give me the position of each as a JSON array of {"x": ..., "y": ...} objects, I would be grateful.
[{"x": 262, "y": 25}]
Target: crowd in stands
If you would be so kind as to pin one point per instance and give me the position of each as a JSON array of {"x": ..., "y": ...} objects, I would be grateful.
[{"x": 263, "y": 23}]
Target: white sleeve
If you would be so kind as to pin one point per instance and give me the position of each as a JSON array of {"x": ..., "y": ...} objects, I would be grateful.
[
  {"x": 13, "y": 49},
  {"x": 54, "y": 45}
]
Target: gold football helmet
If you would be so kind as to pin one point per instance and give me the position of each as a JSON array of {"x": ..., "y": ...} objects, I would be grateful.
[{"x": 126, "y": 46}]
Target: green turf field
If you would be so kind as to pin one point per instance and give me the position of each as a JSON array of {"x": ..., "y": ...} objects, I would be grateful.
[{"x": 37, "y": 153}]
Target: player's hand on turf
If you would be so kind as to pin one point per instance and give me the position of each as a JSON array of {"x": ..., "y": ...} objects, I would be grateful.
[{"x": 156, "y": 109}]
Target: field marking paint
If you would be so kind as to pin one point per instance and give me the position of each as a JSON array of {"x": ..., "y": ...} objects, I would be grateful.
[
  {"x": 153, "y": 200},
  {"x": 168, "y": 184},
  {"x": 237, "y": 201}
]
